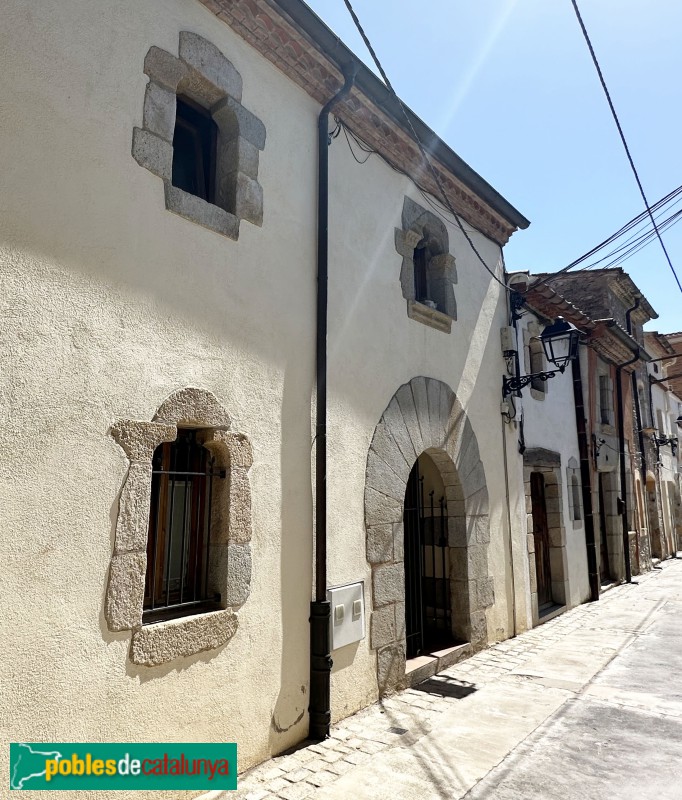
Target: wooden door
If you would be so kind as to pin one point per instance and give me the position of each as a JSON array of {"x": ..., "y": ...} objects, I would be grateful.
[
  {"x": 541, "y": 538},
  {"x": 604, "y": 570}
]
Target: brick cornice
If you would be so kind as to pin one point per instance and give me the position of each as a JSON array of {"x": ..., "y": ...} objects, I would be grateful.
[{"x": 270, "y": 31}]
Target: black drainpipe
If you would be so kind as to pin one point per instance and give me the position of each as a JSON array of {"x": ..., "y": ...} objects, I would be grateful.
[
  {"x": 586, "y": 480},
  {"x": 320, "y": 612},
  {"x": 638, "y": 416},
  {"x": 621, "y": 447}
]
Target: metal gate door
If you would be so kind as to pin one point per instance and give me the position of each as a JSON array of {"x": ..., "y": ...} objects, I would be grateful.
[{"x": 427, "y": 578}]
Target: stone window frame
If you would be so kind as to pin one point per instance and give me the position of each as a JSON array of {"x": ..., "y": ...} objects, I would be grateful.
[
  {"x": 604, "y": 399},
  {"x": 418, "y": 224},
  {"x": 534, "y": 359},
  {"x": 575, "y": 501},
  {"x": 202, "y": 73},
  {"x": 231, "y": 530}
]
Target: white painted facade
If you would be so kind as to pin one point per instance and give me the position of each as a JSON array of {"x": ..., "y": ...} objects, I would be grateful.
[
  {"x": 111, "y": 303},
  {"x": 665, "y": 408},
  {"x": 545, "y": 421}
]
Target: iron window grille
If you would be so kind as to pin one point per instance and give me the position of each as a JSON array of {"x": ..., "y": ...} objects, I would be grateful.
[
  {"x": 177, "y": 580},
  {"x": 194, "y": 150}
]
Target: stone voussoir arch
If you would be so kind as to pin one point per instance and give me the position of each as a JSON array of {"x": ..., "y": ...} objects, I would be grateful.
[{"x": 425, "y": 416}]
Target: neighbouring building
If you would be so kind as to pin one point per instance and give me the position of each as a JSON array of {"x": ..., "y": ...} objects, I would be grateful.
[
  {"x": 159, "y": 259},
  {"x": 612, "y": 369},
  {"x": 663, "y": 436},
  {"x": 544, "y": 418},
  {"x": 674, "y": 382}
]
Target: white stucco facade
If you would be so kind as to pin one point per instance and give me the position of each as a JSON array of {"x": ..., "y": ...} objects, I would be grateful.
[
  {"x": 112, "y": 304},
  {"x": 545, "y": 436},
  {"x": 665, "y": 410}
]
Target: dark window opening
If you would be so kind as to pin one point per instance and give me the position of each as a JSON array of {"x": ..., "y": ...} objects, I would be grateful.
[
  {"x": 537, "y": 364},
  {"x": 194, "y": 150},
  {"x": 575, "y": 496},
  {"x": 421, "y": 286},
  {"x": 604, "y": 400},
  {"x": 178, "y": 546}
]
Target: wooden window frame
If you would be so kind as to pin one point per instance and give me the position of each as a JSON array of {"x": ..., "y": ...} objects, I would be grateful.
[{"x": 161, "y": 601}]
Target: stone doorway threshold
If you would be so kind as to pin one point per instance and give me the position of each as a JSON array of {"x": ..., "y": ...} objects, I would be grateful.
[
  {"x": 549, "y": 613},
  {"x": 421, "y": 668}
]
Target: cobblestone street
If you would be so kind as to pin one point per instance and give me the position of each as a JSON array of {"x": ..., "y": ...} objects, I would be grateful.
[{"x": 535, "y": 708}]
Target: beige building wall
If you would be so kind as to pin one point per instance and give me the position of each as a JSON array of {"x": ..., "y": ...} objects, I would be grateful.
[
  {"x": 374, "y": 349},
  {"x": 112, "y": 303},
  {"x": 550, "y": 424}
]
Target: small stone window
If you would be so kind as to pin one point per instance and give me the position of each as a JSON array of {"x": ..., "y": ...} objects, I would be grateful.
[
  {"x": 535, "y": 359},
  {"x": 605, "y": 400},
  {"x": 181, "y": 565},
  {"x": 575, "y": 503},
  {"x": 198, "y": 137},
  {"x": 537, "y": 364},
  {"x": 428, "y": 270}
]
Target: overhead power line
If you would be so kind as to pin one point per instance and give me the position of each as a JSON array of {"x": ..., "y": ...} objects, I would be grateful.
[
  {"x": 444, "y": 198},
  {"x": 623, "y": 140},
  {"x": 634, "y": 242}
]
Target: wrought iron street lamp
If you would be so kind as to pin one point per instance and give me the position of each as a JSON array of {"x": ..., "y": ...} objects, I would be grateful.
[
  {"x": 560, "y": 344},
  {"x": 663, "y": 441}
]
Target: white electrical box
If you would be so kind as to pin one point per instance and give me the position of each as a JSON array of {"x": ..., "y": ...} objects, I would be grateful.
[
  {"x": 508, "y": 337},
  {"x": 347, "y": 614}
]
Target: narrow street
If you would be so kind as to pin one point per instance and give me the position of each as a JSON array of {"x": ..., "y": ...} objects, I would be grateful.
[{"x": 586, "y": 706}]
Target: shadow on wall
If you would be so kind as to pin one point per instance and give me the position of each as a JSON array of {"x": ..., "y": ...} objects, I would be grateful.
[{"x": 290, "y": 713}]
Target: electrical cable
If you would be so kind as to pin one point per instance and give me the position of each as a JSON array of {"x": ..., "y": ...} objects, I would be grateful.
[
  {"x": 422, "y": 150},
  {"x": 675, "y": 195},
  {"x": 623, "y": 140},
  {"x": 630, "y": 246},
  {"x": 437, "y": 207}
]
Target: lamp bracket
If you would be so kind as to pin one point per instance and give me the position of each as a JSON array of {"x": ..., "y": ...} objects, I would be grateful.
[{"x": 518, "y": 382}]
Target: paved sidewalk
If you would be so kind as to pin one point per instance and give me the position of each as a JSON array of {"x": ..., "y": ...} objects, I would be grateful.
[{"x": 589, "y": 703}]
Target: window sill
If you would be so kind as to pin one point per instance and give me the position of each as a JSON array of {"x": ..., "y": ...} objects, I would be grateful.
[
  {"x": 429, "y": 316},
  {"x": 195, "y": 209},
  {"x": 161, "y": 642},
  {"x": 150, "y": 617}
]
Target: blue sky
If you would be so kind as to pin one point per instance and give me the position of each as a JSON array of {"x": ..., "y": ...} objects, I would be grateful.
[{"x": 510, "y": 85}]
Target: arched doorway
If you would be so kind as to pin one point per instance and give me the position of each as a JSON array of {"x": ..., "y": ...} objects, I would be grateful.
[{"x": 424, "y": 417}]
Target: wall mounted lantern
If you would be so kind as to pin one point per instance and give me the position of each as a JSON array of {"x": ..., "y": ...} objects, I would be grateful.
[
  {"x": 662, "y": 441},
  {"x": 560, "y": 343}
]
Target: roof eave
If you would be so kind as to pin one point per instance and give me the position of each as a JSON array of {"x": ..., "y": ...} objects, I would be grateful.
[{"x": 370, "y": 85}]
